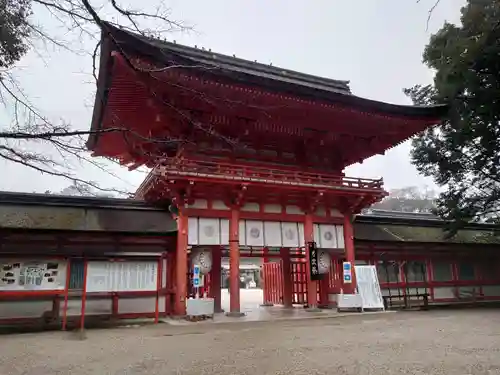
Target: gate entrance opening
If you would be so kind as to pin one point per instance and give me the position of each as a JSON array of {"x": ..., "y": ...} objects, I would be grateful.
[
  {"x": 250, "y": 284},
  {"x": 266, "y": 278}
]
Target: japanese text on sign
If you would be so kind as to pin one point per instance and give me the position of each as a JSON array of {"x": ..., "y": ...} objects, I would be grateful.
[
  {"x": 347, "y": 272},
  {"x": 197, "y": 276},
  {"x": 313, "y": 261}
]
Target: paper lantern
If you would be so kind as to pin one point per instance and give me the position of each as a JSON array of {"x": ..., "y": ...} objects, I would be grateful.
[
  {"x": 203, "y": 258},
  {"x": 324, "y": 261}
]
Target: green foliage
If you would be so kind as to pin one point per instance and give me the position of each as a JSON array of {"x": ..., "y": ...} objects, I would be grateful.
[
  {"x": 14, "y": 30},
  {"x": 463, "y": 155}
]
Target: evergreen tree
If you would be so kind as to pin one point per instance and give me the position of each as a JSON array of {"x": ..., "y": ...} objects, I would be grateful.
[{"x": 463, "y": 155}]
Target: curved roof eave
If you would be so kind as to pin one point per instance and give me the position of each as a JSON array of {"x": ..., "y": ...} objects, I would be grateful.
[
  {"x": 282, "y": 80},
  {"x": 103, "y": 84},
  {"x": 239, "y": 70}
]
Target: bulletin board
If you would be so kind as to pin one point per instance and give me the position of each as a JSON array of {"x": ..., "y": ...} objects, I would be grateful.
[
  {"x": 127, "y": 276},
  {"x": 31, "y": 275}
]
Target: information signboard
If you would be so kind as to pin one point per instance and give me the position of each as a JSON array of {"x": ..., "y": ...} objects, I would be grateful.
[
  {"x": 197, "y": 276},
  {"x": 369, "y": 287},
  {"x": 347, "y": 267},
  {"x": 128, "y": 276},
  {"x": 31, "y": 275}
]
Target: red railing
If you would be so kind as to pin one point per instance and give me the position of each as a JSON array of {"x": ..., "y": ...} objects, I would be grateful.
[{"x": 197, "y": 169}]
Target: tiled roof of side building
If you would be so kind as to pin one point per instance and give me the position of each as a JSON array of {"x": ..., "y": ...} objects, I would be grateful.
[
  {"x": 14, "y": 198},
  {"x": 423, "y": 228},
  {"x": 401, "y": 214}
]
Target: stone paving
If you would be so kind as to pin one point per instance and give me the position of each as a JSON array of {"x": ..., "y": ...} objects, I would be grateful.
[
  {"x": 250, "y": 302},
  {"x": 436, "y": 342}
]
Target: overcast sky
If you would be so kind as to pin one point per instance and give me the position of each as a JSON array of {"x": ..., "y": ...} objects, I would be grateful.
[{"x": 375, "y": 44}]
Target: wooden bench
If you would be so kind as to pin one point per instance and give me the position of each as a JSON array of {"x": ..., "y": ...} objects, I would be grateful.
[{"x": 407, "y": 301}]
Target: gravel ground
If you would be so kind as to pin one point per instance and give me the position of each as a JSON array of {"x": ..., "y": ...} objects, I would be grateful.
[{"x": 444, "y": 342}]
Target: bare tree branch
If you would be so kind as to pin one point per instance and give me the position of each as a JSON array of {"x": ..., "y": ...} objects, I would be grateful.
[
  {"x": 430, "y": 12},
  {"x": 30, "y": 126}
]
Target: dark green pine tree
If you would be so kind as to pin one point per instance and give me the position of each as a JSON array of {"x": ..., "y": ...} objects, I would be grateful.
[
  {"x": 14, "y": 31},
  {"x": 463, "y": 155}
]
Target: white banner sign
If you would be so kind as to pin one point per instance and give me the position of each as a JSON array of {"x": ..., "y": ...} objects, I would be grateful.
[{"x": 125, "y": 276}]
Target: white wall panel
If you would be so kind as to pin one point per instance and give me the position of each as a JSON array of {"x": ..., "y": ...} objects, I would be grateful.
[
  {"x": 224, "y": 231},
  {"x": 98, "y": 306},
  {"x": 255, "y": 233},
  {"x": 219, "y": 205},
  {"x": 317, "y": 235},
  {"x": 242, "y": 232},
  {"x": 137, "y": 305},
  {"x": 251, "y": 207},
  {"x": 293, "y": 210},
  {"x": 272, "y": 208},
  {"x": 164, "y": 275},
  {"x": 209, "y": 231},
  {"x": 328, "y": 236},
  {"x": 94, "y": 306},
  {"x": 290, "y": 234},
  {"x": 301, "y": 235},
  {"x": 272, "y": 234},
  {"x": 444, "y": 292},
  {"x": 199, "y": 203},
  {"x": 340, "y": 236},
  {"x": 491, "y": 290},
  {"x": 192, "y": 231},
  {"x": 24, "y": 309}
]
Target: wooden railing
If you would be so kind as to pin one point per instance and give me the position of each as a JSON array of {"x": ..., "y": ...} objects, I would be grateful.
[{"x": 200, "y": 170}]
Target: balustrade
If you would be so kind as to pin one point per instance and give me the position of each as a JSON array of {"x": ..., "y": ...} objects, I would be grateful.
[{"x": 199, "y": 169}]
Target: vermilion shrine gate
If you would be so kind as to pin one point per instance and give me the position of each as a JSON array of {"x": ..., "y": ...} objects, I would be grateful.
[{"x": 251, "y": 156}]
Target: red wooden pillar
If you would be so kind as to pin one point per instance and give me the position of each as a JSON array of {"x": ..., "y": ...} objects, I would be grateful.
[
  {"x": 181, "y": 261},
  {"x": 266, "y": 280},
  {"x": 114, "y": 306},
  {"x": 158, "y": 289},
  {"x": 84, "y": 296},
  {"x": 234, "y": 263},
  {"x": 66, "y": 294},
  {"x": 170, "y": 283},
  {"x": 287, "y": 277},
  {"x": 215, "y": 278},
  {"x": 312, "y": 285},
  {"x": 349, "y": 253},
  {"x": 430, "y": 278},
  {"x": 324, "y": 289}
]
